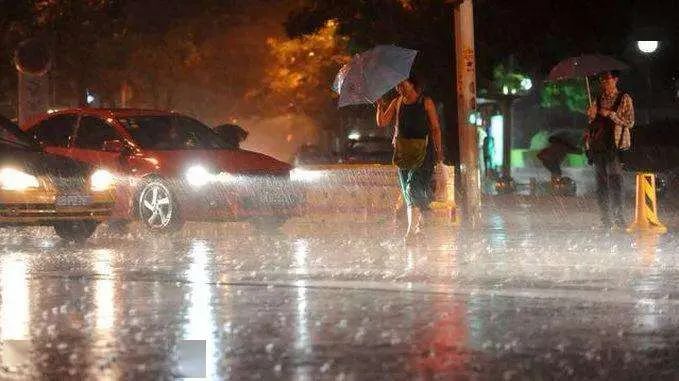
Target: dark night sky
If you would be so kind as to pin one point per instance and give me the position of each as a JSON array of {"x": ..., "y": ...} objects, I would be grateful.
[{"x": 539, "y": 33}]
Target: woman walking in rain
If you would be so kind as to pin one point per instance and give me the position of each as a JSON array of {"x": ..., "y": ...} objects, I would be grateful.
[{"x": 417, "y": 148}]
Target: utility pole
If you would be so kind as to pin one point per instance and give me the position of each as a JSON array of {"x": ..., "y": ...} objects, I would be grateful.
[{"x": 466, "y": 104}]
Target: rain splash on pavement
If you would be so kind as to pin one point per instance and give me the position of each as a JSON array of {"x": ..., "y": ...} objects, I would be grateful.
[{"x": 534, "y": 293}]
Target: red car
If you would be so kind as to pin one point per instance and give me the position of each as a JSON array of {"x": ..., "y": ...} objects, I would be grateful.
[{"x": 171, "y": 168}]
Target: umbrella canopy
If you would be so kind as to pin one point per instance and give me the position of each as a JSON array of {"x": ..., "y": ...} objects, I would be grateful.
[
  {"x": 584, "y": 66},
  {"x": 569, "y": 137},
  {"x": 372, "y": 74}
]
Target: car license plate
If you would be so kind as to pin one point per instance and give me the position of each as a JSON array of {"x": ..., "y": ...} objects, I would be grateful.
[{"x": 72, "y": 200}]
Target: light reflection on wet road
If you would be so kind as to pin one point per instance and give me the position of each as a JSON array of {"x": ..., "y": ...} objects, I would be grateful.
[{"x": 332, "y": 298}]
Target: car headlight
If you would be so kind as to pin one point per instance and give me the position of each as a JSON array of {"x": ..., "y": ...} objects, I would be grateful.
[
  {"x": 306, "y": 175},
  {"x": 16, "y": 180},
  {"x": 102, "y": 180},
  {"x": 198, "y": 176}
]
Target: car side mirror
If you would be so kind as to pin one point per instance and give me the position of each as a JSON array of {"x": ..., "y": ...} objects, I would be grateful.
[{"x": 115, "y": 145}]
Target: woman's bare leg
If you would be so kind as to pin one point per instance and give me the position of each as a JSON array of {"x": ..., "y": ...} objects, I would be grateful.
[{"x": 414, "y": 216}]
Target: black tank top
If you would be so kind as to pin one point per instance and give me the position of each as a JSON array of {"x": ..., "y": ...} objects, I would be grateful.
[
  {"x": 413, "y": 124},
  {"x": 412, "y": 120}
]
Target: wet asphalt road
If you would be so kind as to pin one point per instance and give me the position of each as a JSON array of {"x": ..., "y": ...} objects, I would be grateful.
[{"x": 535, "y": 293}]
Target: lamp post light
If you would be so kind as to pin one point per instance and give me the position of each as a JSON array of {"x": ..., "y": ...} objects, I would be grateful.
[
  {"x": 648, "y": 48},
  {"x": 505, "y": 184}
]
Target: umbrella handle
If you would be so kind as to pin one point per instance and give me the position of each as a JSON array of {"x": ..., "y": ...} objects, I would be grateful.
[
  {"x": 368, "y": 101},
  {"x": 589, "y": 91}
]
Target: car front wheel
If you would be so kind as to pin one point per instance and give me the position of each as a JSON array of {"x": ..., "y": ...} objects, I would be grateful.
[
  {"x": 157, "y": 208},
  {"x": 75, "y": 231}
]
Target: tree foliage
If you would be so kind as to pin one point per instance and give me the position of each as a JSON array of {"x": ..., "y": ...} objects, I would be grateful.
[
  {"x": 571, "y": 94},
  {"x": 201, "y": 56},
  {"x": 301, "y": 70},
  {"x": 84, "y": 36}
]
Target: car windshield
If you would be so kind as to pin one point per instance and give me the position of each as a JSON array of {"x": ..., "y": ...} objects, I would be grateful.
[
  {"x": 171, "y": 132},
  {"x": 12, "y": 136}
]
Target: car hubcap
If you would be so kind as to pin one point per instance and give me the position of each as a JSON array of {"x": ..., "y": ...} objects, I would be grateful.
[{"x": 155, "y": 206}]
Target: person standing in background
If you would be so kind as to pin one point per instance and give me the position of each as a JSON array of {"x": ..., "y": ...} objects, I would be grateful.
[{"x": 611, "y": 118}]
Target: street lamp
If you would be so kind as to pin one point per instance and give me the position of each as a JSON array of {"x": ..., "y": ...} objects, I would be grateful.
[
  {"x": 515, "y": 86},
  {"x": 647, "y": 48}
]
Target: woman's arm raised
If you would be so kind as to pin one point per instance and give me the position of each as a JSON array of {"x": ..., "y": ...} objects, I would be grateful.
[{"x": 385, "y": 114}]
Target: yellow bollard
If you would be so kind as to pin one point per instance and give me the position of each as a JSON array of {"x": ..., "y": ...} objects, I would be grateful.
[{"x": 646, "y": 214}]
